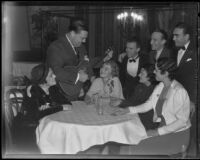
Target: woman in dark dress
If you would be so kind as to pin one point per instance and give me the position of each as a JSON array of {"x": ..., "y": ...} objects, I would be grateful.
[
  {"x": 43, "y": 96},
  {"x": 142, "y": 92}
]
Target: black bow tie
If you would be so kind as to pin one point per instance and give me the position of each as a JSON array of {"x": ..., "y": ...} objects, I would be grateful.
[
  {"x": 183, "y": 48},
  {"x": 132, "y": 59}
]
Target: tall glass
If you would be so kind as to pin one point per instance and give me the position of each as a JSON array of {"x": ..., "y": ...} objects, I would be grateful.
[{"x": 99, "y": 105}]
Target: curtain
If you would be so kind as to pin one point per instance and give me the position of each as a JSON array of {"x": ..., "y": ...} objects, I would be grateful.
[{"x": 106, "y": 31}]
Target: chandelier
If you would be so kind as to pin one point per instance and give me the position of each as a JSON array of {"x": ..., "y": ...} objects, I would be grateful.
[
  {"x": 129, "y": 23},
  {"x": 134, "y": 16}
]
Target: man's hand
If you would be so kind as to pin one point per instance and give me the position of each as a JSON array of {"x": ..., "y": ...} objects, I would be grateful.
[
  {"x": 152, "y": 133},
  {"x": 192, "y": 109},
  {"x": 108, "y": 56},
  {"x": 83, "y": 76},
  {"x": 121, "y": 57},
  {"x": 67, "y": 107},
  {"x": 120, "y": 111}
]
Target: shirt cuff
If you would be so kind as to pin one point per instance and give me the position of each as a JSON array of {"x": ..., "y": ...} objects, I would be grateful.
[
  {"x": 161, "y": 131},
  {"x": 132, "y": 110},
  {"x": 77, "y": 79}
]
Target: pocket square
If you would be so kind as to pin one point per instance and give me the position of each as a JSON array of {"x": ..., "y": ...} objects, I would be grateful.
[{"x": 189, "y": 59}]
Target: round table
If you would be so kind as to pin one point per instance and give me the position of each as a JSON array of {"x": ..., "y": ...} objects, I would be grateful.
[{"x": 69, "y": 132}]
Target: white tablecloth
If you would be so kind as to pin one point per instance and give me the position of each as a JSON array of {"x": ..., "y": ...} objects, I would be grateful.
[{"x": 68, "y": 132}]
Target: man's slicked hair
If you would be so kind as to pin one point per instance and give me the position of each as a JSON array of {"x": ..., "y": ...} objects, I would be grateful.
[
  {"x": 135, "y": 40},
  {"x": 77, "y": 25}
]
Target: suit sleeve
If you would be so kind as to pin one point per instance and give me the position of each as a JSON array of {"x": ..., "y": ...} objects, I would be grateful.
[{"x": 67, "y": 74}]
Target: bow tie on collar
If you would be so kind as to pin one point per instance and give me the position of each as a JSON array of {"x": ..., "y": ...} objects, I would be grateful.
[
  {"x": 183, "y": 48},
  {"x": 132, "y": 59}
]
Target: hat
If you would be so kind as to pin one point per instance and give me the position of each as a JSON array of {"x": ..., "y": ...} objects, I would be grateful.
[{"x": 39, "y": 74}]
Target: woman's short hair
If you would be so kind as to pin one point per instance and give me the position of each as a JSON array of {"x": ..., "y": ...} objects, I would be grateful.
[
  {"x": 114, "y": 68},
  {"x": 39, "y": 74},
  {"x": 167, "y": 65},
  {"x": 149, "y": 68}
]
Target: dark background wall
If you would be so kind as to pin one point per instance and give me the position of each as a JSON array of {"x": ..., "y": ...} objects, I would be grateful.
[{"x": 27, "y": 41}]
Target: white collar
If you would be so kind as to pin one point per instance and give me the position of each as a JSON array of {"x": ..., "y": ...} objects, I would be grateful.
[
  {"x": 137, "y": 56},
  {"x": 186, "y": 45},
  {"x": 159, "y": 51},
  {"x": 71, "y": 44},
  {"x": 69, "y": 41}
]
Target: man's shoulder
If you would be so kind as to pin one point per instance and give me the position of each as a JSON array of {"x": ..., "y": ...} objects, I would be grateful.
[
  {"x": 167, "y": 50},
  {"x": 59, "y": 42}
]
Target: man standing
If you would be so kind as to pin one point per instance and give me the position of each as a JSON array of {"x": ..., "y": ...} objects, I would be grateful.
[
  {"x": 130, "y": 67},
  {"x": 158, "y": 46},
  {"x": 64, "y": 59},
  {"x": 186, "y": 62}
]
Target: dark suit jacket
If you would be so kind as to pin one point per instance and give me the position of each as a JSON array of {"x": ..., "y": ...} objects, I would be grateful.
[
  {"x": 139, "y": 96},
  {"x": 187, "y": 72},
  {"x": 128, "y": 82},
  {"x": 165, "y": 53},
  {"x": 66, "y": 64},
  {"x": 59, "y": 55}
]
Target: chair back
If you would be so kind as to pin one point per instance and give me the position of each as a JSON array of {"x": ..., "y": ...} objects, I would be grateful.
[{"x": 14, "y": 99}]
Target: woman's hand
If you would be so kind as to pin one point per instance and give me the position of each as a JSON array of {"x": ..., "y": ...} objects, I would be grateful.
[
  {"x": 152, "y": 133},
  {"x": 120, "y": 111},
  {"x": 87, "y": 99},
  {"x": 67, "y": 107}
]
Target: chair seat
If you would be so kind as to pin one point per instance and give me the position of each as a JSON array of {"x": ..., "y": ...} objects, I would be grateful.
[{"x": 169, "y": 144}]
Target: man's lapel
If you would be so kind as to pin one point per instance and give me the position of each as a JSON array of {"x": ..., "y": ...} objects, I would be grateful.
[{"x": 187, "y": 56}]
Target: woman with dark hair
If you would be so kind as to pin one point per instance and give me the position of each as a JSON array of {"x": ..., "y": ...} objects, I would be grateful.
[
  {"x": 169, "y": 100},
  {"x": 171, "y": 105},
  {"x": 141, "y": 93},
  {"x": 43, "y": 96},
  {"x": 108, "y": 85}
]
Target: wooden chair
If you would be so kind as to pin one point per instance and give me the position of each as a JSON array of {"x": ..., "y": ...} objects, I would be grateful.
[
  {"x": 16, "y": 102},
  {"x": 8, "y": 117}
]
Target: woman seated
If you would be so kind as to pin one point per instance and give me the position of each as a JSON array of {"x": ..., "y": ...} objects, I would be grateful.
[
  {"x": 43, "y": 96},
  {"x": 142, "y": 92},
  {"x": 169, "y": 100},
  {"x": 108, "y": 85}
]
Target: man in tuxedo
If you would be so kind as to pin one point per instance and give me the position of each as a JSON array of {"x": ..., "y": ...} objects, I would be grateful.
[
  {"x": 158, "y": 45},
  {"x": 64, "y": 57},
  {"x": 131, "y": 66},
  {"x": 187, "y": 72}
]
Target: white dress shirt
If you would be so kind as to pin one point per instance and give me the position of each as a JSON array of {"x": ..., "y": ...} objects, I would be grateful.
[
  {"x": 158, "y": 53},
  {"x": 132, "y": 67},
  {"x": 75, "y": 54},
  {"x": 176, "y": 108},
  {"x": 181, "y": 53}
]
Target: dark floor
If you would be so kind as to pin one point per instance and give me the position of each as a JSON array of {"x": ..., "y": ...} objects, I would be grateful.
[{"x": 24, "y": 140}]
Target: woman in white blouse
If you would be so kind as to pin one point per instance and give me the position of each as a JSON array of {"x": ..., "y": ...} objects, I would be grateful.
[
  {"x": 169, "y": 100},
  {"x": 108, "y": 85}
]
